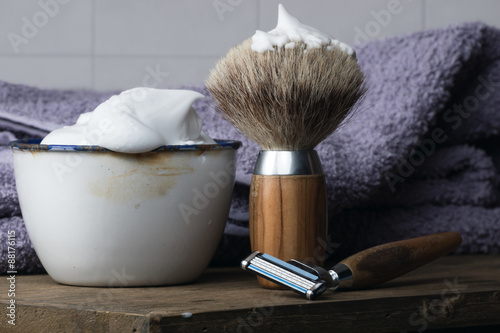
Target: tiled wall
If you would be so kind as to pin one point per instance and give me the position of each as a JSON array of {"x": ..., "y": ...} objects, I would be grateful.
[{"x": 119, "y": 44}]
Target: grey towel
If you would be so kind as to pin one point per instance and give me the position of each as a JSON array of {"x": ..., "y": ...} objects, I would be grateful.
[
  {"x": 418, "y": 155},
  {"x": 9, "y": 205}
]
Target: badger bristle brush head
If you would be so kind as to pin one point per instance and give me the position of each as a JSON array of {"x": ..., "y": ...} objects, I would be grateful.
[{"x": 287, "y": 97}]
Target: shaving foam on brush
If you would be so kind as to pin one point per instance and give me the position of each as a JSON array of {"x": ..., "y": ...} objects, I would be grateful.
[{"x": 287, "y": 90}]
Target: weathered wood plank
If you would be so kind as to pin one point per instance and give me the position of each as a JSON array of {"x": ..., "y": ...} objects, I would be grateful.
[{"x": 454, "y": 291}]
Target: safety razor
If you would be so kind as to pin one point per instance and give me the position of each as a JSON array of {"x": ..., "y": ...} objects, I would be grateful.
[{"x": 367, "y": 268}]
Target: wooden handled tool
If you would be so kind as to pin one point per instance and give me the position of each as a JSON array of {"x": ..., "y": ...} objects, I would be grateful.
[
  {"x": 288, "y": 208},
  {"x": 364, "y": 269},
  {"x": 287, "y": 100},
  {"x": 388, "y": 261},
  {"x": 288, "y": 217}
]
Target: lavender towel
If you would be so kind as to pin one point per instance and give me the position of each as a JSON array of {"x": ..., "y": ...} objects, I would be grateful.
[{"x": 419, "y": 154}]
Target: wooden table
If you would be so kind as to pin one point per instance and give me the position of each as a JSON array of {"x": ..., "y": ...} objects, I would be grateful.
[{"x": 454, "y": 291}]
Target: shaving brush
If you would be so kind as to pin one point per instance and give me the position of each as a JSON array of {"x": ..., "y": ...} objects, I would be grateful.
[{"x": 288, "y": 101}]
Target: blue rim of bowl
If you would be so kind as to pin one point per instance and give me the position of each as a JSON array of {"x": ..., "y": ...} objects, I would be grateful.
[{"x": 34, "y": 145}]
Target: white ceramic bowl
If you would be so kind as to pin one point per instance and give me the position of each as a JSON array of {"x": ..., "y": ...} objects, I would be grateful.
[{"x": 101, "y": 218}]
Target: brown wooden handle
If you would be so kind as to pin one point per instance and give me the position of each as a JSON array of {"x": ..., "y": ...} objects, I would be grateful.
[
  {"x": 388, "y": 261},
  {"x": 288, "y": 218}
]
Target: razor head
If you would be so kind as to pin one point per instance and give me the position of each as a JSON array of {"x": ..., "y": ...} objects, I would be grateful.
[{"x": 285, "y": 274}]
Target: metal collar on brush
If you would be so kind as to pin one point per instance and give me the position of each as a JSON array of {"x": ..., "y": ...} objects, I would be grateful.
[{"x": 288, "y": 162}]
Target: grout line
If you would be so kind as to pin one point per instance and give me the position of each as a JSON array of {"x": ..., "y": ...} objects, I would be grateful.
[
  {"x": 180, "y": 56},
  {"x": 130, "y": 56}
]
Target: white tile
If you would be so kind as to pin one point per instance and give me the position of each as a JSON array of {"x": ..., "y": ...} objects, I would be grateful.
[
  {"x": 440, "y": 13},
  {"x": 169, "y": 27},
  {"x": 46, "y": 27},
  {"x": 47, "y": 72},
  {"x": 349, "y": 21},
  {"x": 113, "y": 73}
]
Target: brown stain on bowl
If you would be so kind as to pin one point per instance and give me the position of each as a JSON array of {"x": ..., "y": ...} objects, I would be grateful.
[{"x": 152, "y": 175}]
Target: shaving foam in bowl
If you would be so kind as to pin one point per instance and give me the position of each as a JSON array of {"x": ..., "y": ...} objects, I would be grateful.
[{"x": 102, "y": 218}]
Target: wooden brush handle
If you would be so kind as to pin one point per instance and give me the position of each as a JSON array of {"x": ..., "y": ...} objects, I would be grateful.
[
  {"x": 288, "y": 218},
  {"x": 388, "y": 261}
]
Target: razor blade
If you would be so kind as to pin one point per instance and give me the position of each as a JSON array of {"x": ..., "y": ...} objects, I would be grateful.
[
  {"x": 308, "y": 280},
  {"x": 364, "y": 269}
]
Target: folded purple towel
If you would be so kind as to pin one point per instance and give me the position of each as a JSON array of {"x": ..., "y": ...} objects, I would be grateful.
[
  {"x": 417, "y": 156},
  {"x": 27, "y": 261},
  {"x": 9, "y": 204},
  {"x": 32, "y": 112},
  {"x": 359, "y": 229}
]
